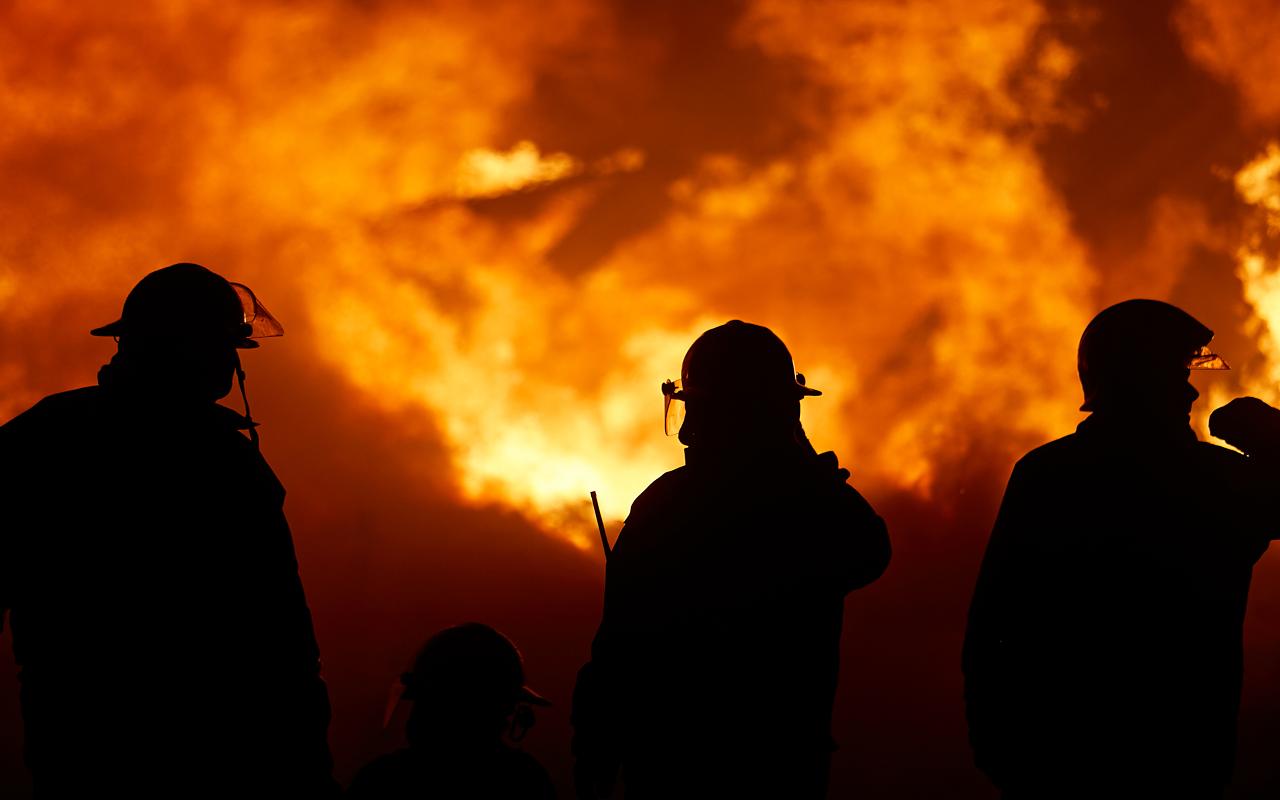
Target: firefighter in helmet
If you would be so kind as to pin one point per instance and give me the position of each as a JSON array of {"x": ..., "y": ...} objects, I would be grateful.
[
  {"x": 164, "y": 641},
  {"x": 714, "y": 668},
  {"x": 467, "y": 692},
  {"x": 1103, "y": 651}
]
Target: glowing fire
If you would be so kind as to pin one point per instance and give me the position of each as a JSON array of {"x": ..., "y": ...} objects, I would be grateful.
[
  {"x": 485, "y": 173},
  {"x": 548, "y": 383},
  {"x": 491, "y": 230},
  {"x": 470, "y": 238},
  {"x": 904, "y": 243},
  {"x": 1258, "y": 184}
]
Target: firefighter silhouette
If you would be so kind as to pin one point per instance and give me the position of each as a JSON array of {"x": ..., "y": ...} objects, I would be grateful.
[
  {"x": 165, "y": 644},
  {"x": 1103, "y": 656},
  {"x": 467, "y": 691},
  {"x": 715, "y": 665}
]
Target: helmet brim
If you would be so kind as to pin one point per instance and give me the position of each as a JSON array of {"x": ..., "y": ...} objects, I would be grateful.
[
  {"x": 114, "y": 329},
  {"x": 117, "y": 329},
  {"x": 527, "y": 695}
]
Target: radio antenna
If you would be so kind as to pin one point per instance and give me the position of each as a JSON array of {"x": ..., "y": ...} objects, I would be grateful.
[{"x": 604, "y": 537}]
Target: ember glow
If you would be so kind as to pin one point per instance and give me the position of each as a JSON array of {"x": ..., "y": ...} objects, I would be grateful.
[{"x": 499, "y": 225}]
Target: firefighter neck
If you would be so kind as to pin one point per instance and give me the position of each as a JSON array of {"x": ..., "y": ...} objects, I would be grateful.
[
  {"x": 1154, "y": 402},
  {"x": 744, "y": 432},
  {"x": 456, "y": 724},
  {"x": 172, "y": 371}
]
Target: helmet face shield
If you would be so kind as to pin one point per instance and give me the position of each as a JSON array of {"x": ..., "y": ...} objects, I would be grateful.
[
  {"x": 259, "y": 323},
  {"x": 1206, "y": 359},
  {"x": 673, "y": 409}
]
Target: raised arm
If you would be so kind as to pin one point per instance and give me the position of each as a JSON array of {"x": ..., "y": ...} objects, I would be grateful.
[{"x": 848, "y": 542}]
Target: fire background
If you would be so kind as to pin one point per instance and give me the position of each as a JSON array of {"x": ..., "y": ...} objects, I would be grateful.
[{"x": 491, "y": 230}]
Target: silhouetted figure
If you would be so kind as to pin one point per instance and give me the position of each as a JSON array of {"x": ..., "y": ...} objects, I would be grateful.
[
  {"x": 714, "y": 669},
  {"x": 467, "y": 689},
  {"x": 1103, "y": 653},
  {"x": 165, "y": 646}
]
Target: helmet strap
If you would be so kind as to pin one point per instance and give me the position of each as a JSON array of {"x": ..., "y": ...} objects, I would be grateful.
[
  {"x": 248, "y": 415},
  {"x": 521, "y": 721}
]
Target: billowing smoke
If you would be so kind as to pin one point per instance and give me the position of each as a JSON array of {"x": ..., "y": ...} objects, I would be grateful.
[{"x": 491, "y": 230}]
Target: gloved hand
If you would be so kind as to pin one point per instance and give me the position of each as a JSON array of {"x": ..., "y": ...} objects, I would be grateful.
[
  {"x": 1249, "y": 424},
  {"x": 827, "y": 465},
  {"x": 824, "y": 467}
]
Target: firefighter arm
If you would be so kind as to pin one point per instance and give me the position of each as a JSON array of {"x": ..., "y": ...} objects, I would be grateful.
[
  {"x": 865, "y": 543},
  {"x": 847, "y": 543}
]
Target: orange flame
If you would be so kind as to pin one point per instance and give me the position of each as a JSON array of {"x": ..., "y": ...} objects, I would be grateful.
[
  {"x": 499, "y": 225},
  {"x": 404, "y": 174},
  {"x": 1258, "y": 185},
  {"x": 909, "y": 249},
  {"x": 547, "y": 384}
]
